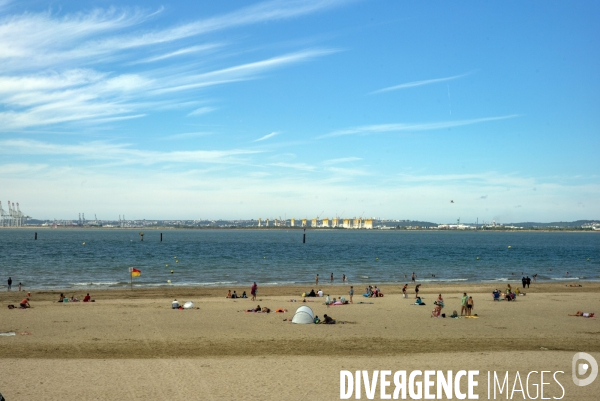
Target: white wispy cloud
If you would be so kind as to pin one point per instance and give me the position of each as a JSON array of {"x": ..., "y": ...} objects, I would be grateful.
[
  {"x": 186, "y": 135},
  {"x": 383, "y": 128},
  {"x": 419, "y": 83},
  {"x": 342, "y": 160},
  {"x": 180, "y": 52},
  {"x": 262, "y": 138},
  {"x": 60, "y": 68},
  {"x": 202, "y": 110},
  {"x": 122, "y": 153},
  {"x": 295, "y": 166}
]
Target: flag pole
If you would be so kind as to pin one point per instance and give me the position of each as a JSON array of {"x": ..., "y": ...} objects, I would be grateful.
[{"x": 131, "y": 278}]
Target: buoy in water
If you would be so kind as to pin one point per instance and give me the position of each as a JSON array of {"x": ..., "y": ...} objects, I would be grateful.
[
  {"x": 172, "y": 271},
  {"x": 176, "y": 261},
  {"x": 509, "y": 247},
  {"x": 84, "y": 244},
  {"x": 169, "y": 281},
  {"x": 376, "y": 258},
  {"x": 477, "y": 257},
  {"x": 167, "y": 265}
]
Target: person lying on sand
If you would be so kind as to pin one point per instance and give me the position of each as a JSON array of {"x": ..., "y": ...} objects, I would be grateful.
[
  {"x": 573, "y": 285},
  {"x": 257, "y": 309},
  {"x": 583, "y": 314},
  {"x": 280, "y": 310}
]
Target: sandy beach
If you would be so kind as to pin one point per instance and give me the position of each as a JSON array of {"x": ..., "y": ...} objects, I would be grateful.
[{"x": 132, "y": 345}]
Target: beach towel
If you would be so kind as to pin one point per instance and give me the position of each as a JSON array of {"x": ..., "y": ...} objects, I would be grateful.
[{"x": 8, "y": 334}]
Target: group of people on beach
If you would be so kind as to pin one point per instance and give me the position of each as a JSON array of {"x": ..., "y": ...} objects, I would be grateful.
[
  {"x": 344, "y": 279},
  {"x": 235, "y": 295},
  {"x": 9, "y": 286},
  {"x": 87, "y": 298}
]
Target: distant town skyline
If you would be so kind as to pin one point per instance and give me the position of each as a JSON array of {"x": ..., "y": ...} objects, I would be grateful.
[{"x": 237, "y": 110}]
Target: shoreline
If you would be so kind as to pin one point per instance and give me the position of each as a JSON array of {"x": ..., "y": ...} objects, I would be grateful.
[
  {"x": 308, "y": 285},
  {"x": 293, "y": 291}
]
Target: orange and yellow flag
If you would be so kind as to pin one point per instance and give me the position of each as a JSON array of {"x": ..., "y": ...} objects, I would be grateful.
[{"x": 135, "y": 272}]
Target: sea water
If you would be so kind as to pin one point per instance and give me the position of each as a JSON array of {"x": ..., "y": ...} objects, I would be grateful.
[{"x": 101, "y": 258}]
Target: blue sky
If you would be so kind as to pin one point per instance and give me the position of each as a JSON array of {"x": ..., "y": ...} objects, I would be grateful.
[{"x": 289, "y": 108}]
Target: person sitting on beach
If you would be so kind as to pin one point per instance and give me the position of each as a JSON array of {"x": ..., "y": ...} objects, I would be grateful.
[
  {"x": 234, "y": 295},
  {"x": 583, "y": 314},
  {"x": 419, "y": 301},
  {"x": 320, "y": 292},
  {"x": 436, "y": 310},
  {"x": 87, "y": 298},
  {"x": 327, "y": 300},
  {"x": 61, "y": 298},
  {"x": 228, "y": 294},
  {"x": 73, "y": 299},
  {"x": 328, "y": 320},
  {"x": 25, "y": 304},
  {"x": 265, "y": 310},
  {"x": 175, "y": 304},
  {"x": 312, "y": 293},
  {"x": 244, "y": 295},
  {"x": 316, "y": 320}
]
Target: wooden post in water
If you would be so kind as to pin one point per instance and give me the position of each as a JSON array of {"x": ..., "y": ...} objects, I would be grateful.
[
  {"x": 160, "y": 237},
  {"x": 304, "y": 237},
  {"x": 35, "y": 237}
]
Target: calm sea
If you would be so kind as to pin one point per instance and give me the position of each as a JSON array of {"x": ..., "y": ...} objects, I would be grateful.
[{"x": 59, "y": 259}]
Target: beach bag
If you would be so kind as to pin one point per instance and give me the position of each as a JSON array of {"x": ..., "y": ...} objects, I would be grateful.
[{"x": 9, "y": 307}]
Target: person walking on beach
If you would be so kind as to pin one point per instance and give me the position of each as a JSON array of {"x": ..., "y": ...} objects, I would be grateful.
[
  {"x": 9, "y": 283},
  {"x": 351, "y": 293},
  {"x": 20, "y": 286},
  {"x": 414, "y": 277},
  {"x": 417, "y": 290},
  {"x": 470, "y": 306},
  {"x": 528, "y": 281},
  {"x": 317, "y": 280},
  {"x": 253, "y": 291},
  {"x": 524, "y": 281},
  {"x": 463, "y": 304},
  {"x": 343, "y": 279},
  {"x": 331, "y": 277}
]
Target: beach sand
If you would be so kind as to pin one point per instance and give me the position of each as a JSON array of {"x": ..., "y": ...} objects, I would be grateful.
[{"x": 131, "y": 345}]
